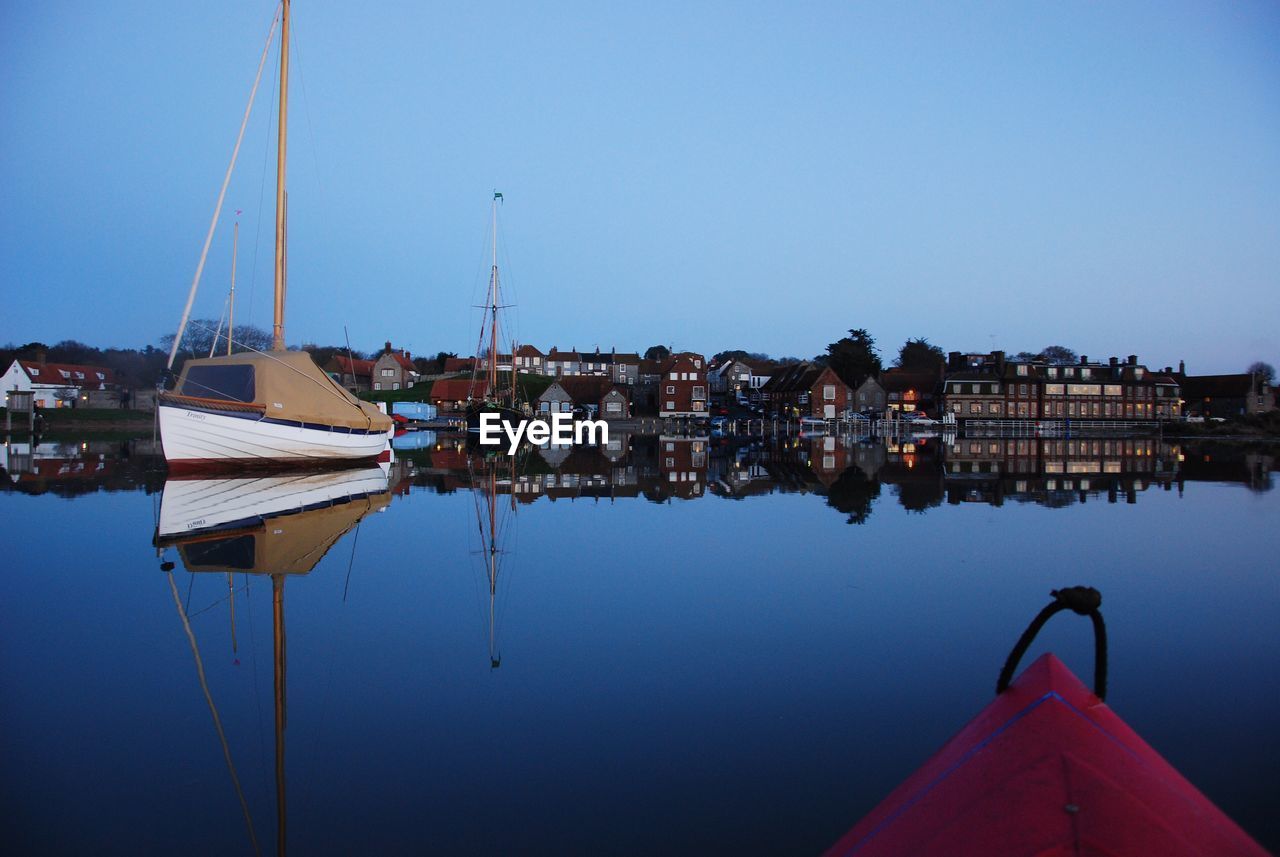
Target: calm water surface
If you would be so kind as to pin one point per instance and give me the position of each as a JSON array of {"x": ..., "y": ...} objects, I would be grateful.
[{"x": 673, "y": 646}]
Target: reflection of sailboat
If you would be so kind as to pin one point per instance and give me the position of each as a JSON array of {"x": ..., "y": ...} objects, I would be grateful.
[
  {"x": 493, "y": 400},
  {"x": 277, "y": 525},
  {"x": 485, "y": 492},
  {"x": 265, "y": 408}
]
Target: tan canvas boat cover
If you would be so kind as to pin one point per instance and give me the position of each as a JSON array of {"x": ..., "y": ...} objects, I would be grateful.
[
  {"x": 291, "y": 387},
  {"x": 289, "y": 544}
]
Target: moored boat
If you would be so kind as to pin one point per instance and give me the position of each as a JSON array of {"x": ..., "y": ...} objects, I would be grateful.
[{"x": 274, "y": 409}]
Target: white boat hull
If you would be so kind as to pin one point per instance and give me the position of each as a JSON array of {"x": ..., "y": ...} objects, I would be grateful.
[
  {"x": 191, "y": 506},
  {"x": 198, "y": 438}
]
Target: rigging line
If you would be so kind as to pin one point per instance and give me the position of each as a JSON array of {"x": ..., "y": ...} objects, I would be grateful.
[
  {"x": 213, "y": 709},
  {"x": 351, "y": 562},
  {"x": 222, "y": 194},
  {"x": 306, "y": 105}
]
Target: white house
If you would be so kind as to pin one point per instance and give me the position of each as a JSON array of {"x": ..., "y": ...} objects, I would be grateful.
[{"x": 55, "y": 385}]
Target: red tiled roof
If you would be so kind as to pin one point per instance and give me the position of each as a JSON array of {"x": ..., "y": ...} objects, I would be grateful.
[
  {"x": 344, "y": 365},
  {"x": 587, "y": 388},
  {"x": 458, "y": 389},
  {"x": 528, "y": 351},
  {"x": 459, "y": 364},
  {"x": 75, "y": 374}
]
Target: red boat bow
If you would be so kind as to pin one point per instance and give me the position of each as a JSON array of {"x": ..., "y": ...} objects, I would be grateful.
[{"x": 1046, "y": 769}]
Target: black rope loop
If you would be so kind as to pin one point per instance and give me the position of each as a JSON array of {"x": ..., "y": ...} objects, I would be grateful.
[{"x": 1082, "y": 600}]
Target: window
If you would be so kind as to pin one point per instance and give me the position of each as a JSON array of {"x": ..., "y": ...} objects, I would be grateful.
[
  {"x": 975, "y": 408},
  {"x": 699, "y": 392},
  {"x": 1082, "y": 389},
  {"x": 829, "y": 392},
  {"x": 377, "y": 385},
  {"x": 1022, "y": 369},
  {"x": 613, "y": 407},
  {"x": 671, "y": 390},
  {"x": 101, "y": 377},
  {"x": 669, "y": 462},
  {"x": 675, "y": 376},
  {"x": 1052, "y": 371},
  {"x": 395, "y": 385},
  {"x": 388, "y": 373},
  {"x": 35, "y": 371},
  {"x": 973, "y": 388},
  {"x": 671, "y": 406},
  {"x": 1111, "y": 389},
  {"x": 65, "y": 373},
  {"x": 671, "y": 447},
  {"x": 995, "y": 408},
  {"x": 1022, "y": 389},
  {"x": 1053, "y": 389},
  {"x": 1086, "y": 372},
  {"x": 697, "y": 364},
  {"x": 80, "y": 376},
  {"x": 227, "y": 383}
]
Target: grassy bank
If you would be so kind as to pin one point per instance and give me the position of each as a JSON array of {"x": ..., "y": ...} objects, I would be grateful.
[{"x": 60, "y": 422}]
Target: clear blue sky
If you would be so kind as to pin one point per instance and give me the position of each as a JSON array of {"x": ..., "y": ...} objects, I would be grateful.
[{"x": 705, "y": 175}]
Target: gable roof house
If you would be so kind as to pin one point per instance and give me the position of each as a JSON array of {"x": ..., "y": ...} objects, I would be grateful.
[
  {"x": 529, "y": 359},
  {"x": 452, "y": 394},
  {"x": 808, "y": 390},
  {"x": 682, "y": 387},
  {"x": 393, "y": 370},
  {"x": 56, "y": 385},
  {"x": 1225, "y": 395}
]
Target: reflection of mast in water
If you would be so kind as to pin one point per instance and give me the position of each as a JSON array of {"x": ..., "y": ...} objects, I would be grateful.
[
  {"x": 485, "y": 494},
  {"x": 277, "y": 525},
  {"x": 213, "y": 708}
]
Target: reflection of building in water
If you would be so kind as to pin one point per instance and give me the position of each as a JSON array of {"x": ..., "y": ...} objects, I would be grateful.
[
  {"x": 1055, "y": 472},
  {"x": 72, "y": 468},
  {"x": 920, "y": 470},
  {"x": 682, "y": 465}
]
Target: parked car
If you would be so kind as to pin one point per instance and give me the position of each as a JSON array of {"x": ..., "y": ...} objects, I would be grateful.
[
  {"x": 919, "y": 418},
  {"x": 813, "y": 421}
]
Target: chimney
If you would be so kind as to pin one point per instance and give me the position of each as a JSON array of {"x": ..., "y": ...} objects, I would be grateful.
[
  {"x": 408, "y": 356},
  {"x": 388, "y": 349},
  {"x": 1084, "y": 361},
  {"x": 1133, "y": 360},
  {"x": 1114, "y": 362},
  {"x": 997, "y": 357},
  {"x": 42, "y": 356},
  {"x": 955, "y": 361},
  {"x": 1182, "y": 367}
]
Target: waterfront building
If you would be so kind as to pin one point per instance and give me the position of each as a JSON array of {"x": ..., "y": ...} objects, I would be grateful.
[
  {"x": 991, "y": 387},
  {"x": 60, "y": 385},
  {"x": 682, "y": 386}
]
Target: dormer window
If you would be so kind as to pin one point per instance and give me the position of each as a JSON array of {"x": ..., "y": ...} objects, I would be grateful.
[
  {"x": 1022, "y": 369},
  {"x": 101, "y": 377},
  {"x": 1052, "y": 371},
  {"x": 65, "y": 373},
  {"x": 80, "y": 376},
  {"x": 34, "y": 371}
]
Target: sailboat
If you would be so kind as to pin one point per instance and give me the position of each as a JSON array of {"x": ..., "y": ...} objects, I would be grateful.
[
  {"x": 491, "y": 399},
  {"x": 265, "y": 408}
]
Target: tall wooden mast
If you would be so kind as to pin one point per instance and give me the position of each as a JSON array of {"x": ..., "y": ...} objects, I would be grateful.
[{"x": 277, "y": 328}]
